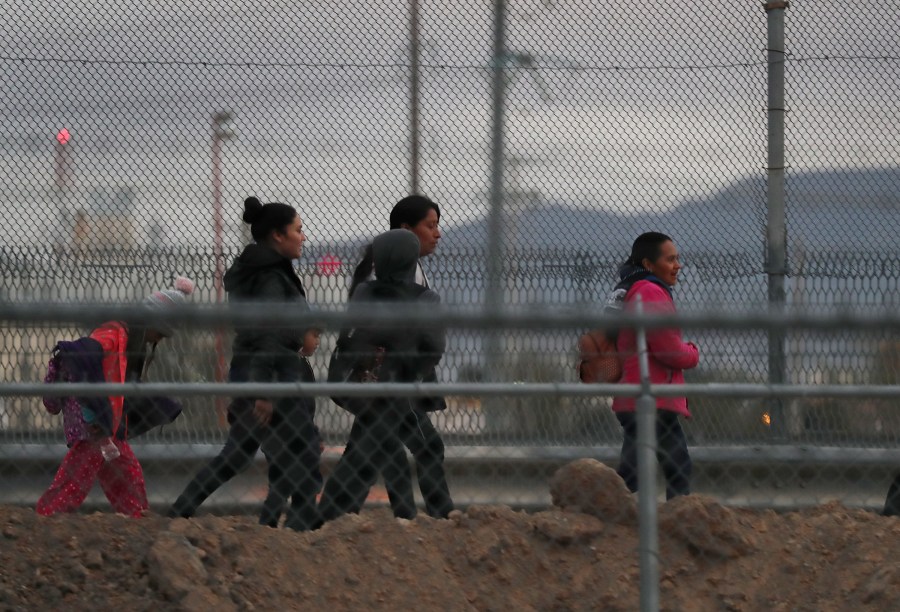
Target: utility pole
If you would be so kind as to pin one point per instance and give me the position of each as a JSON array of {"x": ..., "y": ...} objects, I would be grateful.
[{"x": 776, "y": 226}]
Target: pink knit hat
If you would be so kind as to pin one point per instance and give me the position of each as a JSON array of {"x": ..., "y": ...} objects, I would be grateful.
[
  {"x": 171, "y": 297},
  {"x": 167, "y": 297}
]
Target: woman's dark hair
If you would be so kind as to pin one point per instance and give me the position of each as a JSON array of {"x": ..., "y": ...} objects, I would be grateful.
[
  {"x": 411, "y": 210},
  {"x": 363, "y": 269},
  {"x": 268, "y": 218},
  {"x": 646, "y": 246}
]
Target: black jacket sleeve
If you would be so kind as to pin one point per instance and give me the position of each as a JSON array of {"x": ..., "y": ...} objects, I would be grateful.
[
  {"x": 432, "y": 340},
  {"x": 273, "y": 343}
]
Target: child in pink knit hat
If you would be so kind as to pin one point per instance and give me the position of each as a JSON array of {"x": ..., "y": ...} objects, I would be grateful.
[{"x": 97, "y": 429}]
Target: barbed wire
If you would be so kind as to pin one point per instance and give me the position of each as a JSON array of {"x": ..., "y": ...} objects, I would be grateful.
[{"x": 402, "y": 65}]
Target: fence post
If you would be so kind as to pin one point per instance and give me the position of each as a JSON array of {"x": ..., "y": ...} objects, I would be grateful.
[
  {"x": 647, "y": 494},
  {"x": 776, "y": 227},
  {"x": 496, "y": 247},
  {"x": 414, "y": 96}
]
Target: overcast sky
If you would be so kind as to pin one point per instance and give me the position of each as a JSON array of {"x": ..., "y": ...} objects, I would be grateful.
[{"x": 629, "y": 106}]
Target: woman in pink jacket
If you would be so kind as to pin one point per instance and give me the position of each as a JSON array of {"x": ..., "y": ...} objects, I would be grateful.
[{"x": 651, "y": 272}]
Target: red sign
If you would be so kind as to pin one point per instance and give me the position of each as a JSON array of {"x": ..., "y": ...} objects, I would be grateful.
[{"x": 328, "y": 265}]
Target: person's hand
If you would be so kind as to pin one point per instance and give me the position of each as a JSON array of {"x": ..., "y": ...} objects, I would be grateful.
[{"x": 263, "y": 410}]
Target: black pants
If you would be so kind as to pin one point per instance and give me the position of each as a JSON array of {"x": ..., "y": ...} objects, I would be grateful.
[
  {"x": 418, "y": 434},
  {"x": 244, "y": 438},
  {"x": 374, "y": 446},
  {"x": 671, "y": 452},
  {"x": 291, "y": 444},
  {"x": 892, "y": 501}
]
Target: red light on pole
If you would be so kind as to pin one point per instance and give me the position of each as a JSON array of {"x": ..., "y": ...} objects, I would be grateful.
[{"x": 62, "y": 160}]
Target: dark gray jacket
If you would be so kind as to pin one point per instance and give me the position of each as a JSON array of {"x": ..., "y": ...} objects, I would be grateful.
[{"x": 412, "y": 352}]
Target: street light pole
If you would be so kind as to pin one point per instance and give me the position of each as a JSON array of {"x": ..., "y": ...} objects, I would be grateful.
[
  {"x": 220, "y": 133},
  {"x": 62, "y": 181}
]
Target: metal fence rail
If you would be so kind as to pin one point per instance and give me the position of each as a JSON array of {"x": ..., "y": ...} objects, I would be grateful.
[
  {"x": 582, "y": 414},
  {"x": 778, "y": 474}
]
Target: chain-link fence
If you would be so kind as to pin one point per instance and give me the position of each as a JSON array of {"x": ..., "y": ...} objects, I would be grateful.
[{"x": 133, "y": 132}]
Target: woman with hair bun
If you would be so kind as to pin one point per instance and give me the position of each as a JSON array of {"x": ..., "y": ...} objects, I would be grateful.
[{"x": 284, "y": 428}]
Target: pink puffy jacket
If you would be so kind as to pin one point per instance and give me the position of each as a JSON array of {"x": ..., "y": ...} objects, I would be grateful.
[{"x": 668, "y": 355}]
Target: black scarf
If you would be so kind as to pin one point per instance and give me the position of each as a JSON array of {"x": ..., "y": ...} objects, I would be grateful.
[{"x": 629, "y": 274}]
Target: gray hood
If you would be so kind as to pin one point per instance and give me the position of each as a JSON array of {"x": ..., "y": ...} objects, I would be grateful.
[{"x": 396, "y": 254}]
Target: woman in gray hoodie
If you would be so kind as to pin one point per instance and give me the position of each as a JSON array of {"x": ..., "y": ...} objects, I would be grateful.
[
  {"x": 385, "y": 354},
  {"x": 422, "y": 217}
]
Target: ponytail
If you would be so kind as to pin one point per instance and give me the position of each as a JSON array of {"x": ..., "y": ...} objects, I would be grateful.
[{"x": 363, "y": 270}]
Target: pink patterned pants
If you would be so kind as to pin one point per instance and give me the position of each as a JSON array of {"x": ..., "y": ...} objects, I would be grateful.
[{"x": 121, "y": 479}]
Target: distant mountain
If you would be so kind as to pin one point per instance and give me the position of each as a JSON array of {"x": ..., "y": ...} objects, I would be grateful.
[
  {"x": 827, "y": 211},
  {"x": 842, "y": 226}
]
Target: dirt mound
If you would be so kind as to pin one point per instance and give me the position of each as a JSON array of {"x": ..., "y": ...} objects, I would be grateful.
[
  {"x": 707, "y": 528},
  {"x": 486, "y": 558},
  {"x": 588, "y": 486}
]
